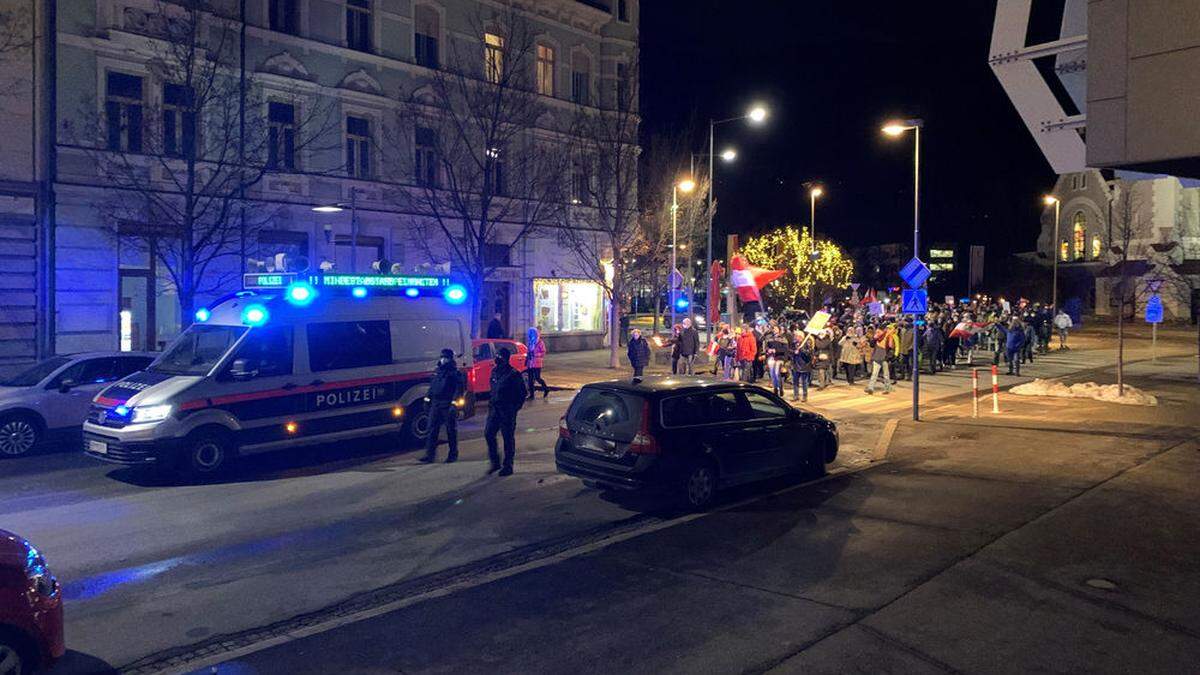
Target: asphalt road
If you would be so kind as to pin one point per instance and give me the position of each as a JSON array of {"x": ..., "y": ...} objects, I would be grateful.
[{"x": 156, "y": 575}]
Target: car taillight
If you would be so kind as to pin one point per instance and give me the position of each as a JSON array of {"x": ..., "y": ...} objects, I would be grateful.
[
  {"x": 471, "y": 379},
  {"x": 563, "y": 430},
  {"x": 643, "y": 442}
]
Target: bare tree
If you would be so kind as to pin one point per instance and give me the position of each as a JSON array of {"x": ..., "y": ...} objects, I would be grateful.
[
  {"x": 1173, "y": 261},
  {"x": 180, "y": 166},
  {"x": 489, "y": 171},
  {"x": 666, "y": 162},
  {"x": 604, "y": 213},
  {"x": 16, "y": 40},
  {"x": 1129, "y": 225}
]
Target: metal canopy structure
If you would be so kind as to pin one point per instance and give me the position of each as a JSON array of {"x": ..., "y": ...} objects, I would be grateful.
[{"x": 1054, "y": 129}]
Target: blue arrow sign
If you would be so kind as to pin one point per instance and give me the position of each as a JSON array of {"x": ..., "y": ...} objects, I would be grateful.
[
  {"x": 914, "y": 301},
  {"x": 1154, "y": 310},
  {"x": 915, "y": 273}
]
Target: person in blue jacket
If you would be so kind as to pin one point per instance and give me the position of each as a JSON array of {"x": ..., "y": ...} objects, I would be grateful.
[{"x": 1014, "y": 341}]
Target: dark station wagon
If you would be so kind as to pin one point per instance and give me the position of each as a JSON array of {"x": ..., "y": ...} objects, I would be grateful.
[{"x": 691, "y": 436}]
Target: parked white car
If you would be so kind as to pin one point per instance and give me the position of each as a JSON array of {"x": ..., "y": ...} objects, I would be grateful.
[{"x": 52, "y": 397}]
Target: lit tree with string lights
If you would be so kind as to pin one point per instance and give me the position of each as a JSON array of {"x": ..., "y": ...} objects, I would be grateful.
[{"x": 809, "y": 276}]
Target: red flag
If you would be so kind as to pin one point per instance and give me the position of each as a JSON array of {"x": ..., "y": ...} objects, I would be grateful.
[
  {"x": 870, "y": 297},
  {"x": 714, "y": 292},
  {"x": 747, "y": 279}
]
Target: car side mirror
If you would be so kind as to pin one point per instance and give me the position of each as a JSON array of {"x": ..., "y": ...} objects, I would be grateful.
[
  {"x": 66, "y": 385},
  {"x": 242, "y": 369}
]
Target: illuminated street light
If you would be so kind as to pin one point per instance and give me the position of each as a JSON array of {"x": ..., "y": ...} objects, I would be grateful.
[
  {"x": 338, "y": 208},
  {"x": 1052, "y": 200},
  {"x": 757, "y": 114},
  {"x": 729, "y": 154},
  {"x": 686, "y": 185},
  {"x": 897, "y": 128}
]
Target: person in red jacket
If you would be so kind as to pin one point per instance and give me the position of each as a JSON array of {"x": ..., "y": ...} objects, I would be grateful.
[{"x": 747, "y": 349}]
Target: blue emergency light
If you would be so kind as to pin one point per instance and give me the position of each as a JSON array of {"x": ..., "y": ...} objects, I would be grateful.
[
  {"x": 412, "y": 292},
  {"x": 359, "y": 291},
  {"x": 203, "y": 315},
  {"x": 681, "y": 304},
  {"x": 455, "y": 294},
  {"x": 301, "y": 293},
  {"x": 255, "y": 315}
]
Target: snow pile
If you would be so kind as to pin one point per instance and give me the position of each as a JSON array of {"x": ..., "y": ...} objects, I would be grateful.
[{"x": 1099, "y": 392}]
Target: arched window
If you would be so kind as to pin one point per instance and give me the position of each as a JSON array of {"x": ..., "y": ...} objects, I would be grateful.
[
  {"x": 1080, "y": 232},
  {"x": 1096, "y": 247},
  {"x": 1064, "y": 251}
]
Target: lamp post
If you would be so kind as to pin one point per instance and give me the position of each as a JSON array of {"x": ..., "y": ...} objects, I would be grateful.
[
  {"x": 1048, "y": 200},
  {"x": 813, "y": 193},
  {"x": 756, "y": 115},
  {"x": 338, "y": 208},
  {"x": 895, "y": 129},
  {"x": 686, "y": 185}
]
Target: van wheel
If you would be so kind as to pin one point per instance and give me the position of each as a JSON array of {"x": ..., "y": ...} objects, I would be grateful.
[
  {"x": 699, "y": 488},
  {"x": 205, "y": 453},
  {"x": 15, "y": 656},
  {"x": 416, "y": 429},
  {"x": 19, "y": 434}
]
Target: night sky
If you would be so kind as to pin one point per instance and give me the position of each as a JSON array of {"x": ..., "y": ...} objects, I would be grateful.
[{"x": 832, "y": 71}]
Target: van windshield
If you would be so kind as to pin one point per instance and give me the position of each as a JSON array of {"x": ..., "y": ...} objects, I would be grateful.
[{"x": 197, "y": 350}]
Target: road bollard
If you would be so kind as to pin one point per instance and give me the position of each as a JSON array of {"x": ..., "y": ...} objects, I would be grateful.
[
  {"x": 974, "y": 392},
  {"x": 995, "y": 389}
]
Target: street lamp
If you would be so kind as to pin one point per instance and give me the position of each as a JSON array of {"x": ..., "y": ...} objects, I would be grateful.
[
  {"x": 813, "y": 193},
  {"x": 757, "y": 114},
  {"x": 896, "y": 129},
  {"x": 728, "y": 154},
  {"x": 1048, "y": 200},
  {"x": 686, "y": 185},
  {"x": 338, "y": 208}
]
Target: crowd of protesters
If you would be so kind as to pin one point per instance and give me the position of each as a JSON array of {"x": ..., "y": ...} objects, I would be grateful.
[{"x": 855, "y": 345}]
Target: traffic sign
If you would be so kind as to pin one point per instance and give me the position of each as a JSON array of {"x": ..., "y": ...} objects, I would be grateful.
[
  {"x": 914, "y": 273},
  {"x": 1154, "y": 310},
  {"x": 915, "y": 301},
  {"x": 675, "y": 279}
]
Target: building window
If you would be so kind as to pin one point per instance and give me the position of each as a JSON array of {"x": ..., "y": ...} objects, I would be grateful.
[
  {"x": 581, "y": 79},
  {"x": 498, "y": 169},
  {"x": 178, "y": 121},
  {"x": 493, "y": 57},
  {"x": 496, "y": 255},
  {"x": 1075, "y": 182},
  {"x": 1096, "y": 247},
  {"x": 123, "y": 112},
  {"x": 545, "y": 70},
  {"x": 358, "y": 25},
  {"x": 281, "y": 136},
  {"x": 1080, "y": 234},
  {"x": 1064, "y": 250},
  {"x": 624, "y": 103},
  {"x": 285, "y": 16},
  {"x": 1083, "y": 181},
  {"x": 568, "y": 305},
  {"x": 425, "y": 163},
  {"x": 358, "y": 147},
  {"x": 581, "y": 192},
  {"x": 426, "y": 39},
  {"x": 622, "y": 10},
  {"x": 279, "y": 251}
]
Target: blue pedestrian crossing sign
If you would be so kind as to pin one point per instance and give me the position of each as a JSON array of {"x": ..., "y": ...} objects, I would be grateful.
[
  {"x": 915, "y": 273},
  {"x": 1154, "y": 310},
  {"x": 914, "y": 301}
]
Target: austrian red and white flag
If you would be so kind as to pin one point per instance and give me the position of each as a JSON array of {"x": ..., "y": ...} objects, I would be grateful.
[
  {"x": 747, "y": 280},
  {"x": 870, "y": 297}
]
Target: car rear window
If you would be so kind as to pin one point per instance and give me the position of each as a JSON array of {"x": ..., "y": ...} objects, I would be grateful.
[{"x": 609, "y": 413}]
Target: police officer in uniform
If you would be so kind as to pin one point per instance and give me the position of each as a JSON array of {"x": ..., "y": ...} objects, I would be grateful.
[
  {"x": 507, "y": 395},
  {"x": 447, "y": 385}
]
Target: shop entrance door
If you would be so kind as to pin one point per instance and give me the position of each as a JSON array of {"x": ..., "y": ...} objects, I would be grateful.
[
  {"x": 495, "y": 300},
  {"x": 136, "y": 319}
]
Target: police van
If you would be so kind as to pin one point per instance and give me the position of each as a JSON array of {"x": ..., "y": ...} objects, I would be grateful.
[{"x": 294, "y": 359}]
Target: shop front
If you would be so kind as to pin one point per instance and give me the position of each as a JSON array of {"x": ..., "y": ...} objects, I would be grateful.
[{"x": 570, "y": 313}]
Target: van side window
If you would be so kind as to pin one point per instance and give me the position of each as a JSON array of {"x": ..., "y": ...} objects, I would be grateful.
[
  {"x": 269, "y": 349},
  {"x": 424, "y": 339},
  {"x": 349, "y": 344}
]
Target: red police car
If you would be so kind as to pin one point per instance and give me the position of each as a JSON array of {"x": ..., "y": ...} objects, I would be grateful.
[{"x": 31, "y": 610}]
